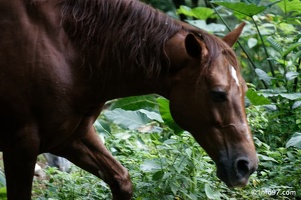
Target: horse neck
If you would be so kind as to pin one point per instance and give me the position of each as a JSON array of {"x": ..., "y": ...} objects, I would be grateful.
[{"x": 116, "y": 84}]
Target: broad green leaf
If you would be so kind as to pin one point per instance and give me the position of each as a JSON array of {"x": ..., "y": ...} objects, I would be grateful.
[
  {"x": 2, "y": 179},
  {"x": 212, "y": 28},
  {"x": 3, "y": 193},
  {"x": 199, "y": 12},
  {"x": 295, "y": 141},
  {"x": 150, "y": 165},
  {"x": 297, "y": 104},
  {"x": 102, "y": 127},
  {"x": 185, "y": 10},
  {"x": 158, "y": 175},
  {"x": 202, "y": 12},
  {"x": 135, "y": 103},
  {"x": 152, "y": 115},
  {"x": 291, "y": 96},
  {"x": 241, "y": 7},
  {"x": 290, "y": 5},
  {"x": 263, "y": 76},
  {"x": 252, "y": 42},
  {"x": 167, "y": 118},
  {"x": 127, "y": 119},
  {"x": 266, "y": 158},
  {"x": 291, "y": 75},
  {"x": 287, "y": 28},
  {"x": 211, "y": 194},
  {"x": 257, "y": 98}
]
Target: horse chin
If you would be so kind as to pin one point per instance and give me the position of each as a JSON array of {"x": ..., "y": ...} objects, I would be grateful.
[{"x": 231, "y": 179}]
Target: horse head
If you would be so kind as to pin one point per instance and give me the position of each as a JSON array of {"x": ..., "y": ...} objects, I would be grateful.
[{"x": 207, "y": 99}]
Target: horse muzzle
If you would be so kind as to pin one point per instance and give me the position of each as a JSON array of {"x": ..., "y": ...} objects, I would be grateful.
[{"x": 237, "y": 173}]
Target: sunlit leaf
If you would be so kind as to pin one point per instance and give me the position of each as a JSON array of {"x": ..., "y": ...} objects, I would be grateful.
[
  {"x": 257, "y": 98},
  {"x": 263, "y": 76},
  {"x": 266, "y": 158},
  {"x": 252, "y": 42},
  {"x": 297, "y": 104},
  {"x": 135, "y": 102},
  {"x": 291, "y": 96},
  {"x": 241, "y": 7},
  {"x": 295, "y": 141},
  {"x": 150, "y": 165},
  {"x": 211, "y": 194},
  {"x": 202, "y": 13},
  {"x": 290, "y": 5},
  {"x": 291, "y": 75},
  {"x": 130, "y": 119}
]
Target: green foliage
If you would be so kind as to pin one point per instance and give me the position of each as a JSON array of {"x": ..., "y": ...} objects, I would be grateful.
[
  {"x": 202, "y": 13},
  {"x": 78, "y": 185}
]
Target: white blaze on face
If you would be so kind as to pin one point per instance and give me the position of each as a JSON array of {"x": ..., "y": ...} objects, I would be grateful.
[
  {"x": 248, "y": 134},
  {"x": 234, "y": 74}
]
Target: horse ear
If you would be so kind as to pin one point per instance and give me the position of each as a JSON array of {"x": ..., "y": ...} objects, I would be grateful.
[
  {"x": 233, "y": 36},
  {"x": 193, "y": 47}
]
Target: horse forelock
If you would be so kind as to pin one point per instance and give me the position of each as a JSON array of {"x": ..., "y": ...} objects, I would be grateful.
[{"x": 127, "y": 31}]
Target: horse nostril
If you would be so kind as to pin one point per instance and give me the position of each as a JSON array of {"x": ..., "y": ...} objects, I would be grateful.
[{"x": 243, "y": 167}]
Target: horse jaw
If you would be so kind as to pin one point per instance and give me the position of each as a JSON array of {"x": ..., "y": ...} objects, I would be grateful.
[{"x": 233, "y": 36}]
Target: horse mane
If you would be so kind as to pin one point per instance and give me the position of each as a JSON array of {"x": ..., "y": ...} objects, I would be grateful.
[{"x": 128, "y": 32}]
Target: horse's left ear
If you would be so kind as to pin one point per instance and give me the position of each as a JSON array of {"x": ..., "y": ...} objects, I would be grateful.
[
  {"x": 233, "y": 36},
  {"x": 193, "y": 47}
]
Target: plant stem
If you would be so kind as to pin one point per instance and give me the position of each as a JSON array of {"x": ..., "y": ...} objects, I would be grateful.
[
  {"x": 296, "y": 79},
  {"x": 240, "y": 45},
  {"x": 264, "y": 47}
]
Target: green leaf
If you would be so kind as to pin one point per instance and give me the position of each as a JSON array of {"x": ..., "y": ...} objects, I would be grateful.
[
  {"x": 202, "y": 12},
  {"x": 2, "y": 179},
  {"x": 127, "y": 119},
  {"x": 291, "y": 96},
  {"x": 102, "y": 127},
  {"x": 212, "y": 27},
  {"x": 3, "y": 193},
  {"x": 291, "y": 75},
  {"x": 199, "y": 12},
  {"x": 266, "y": 158},
  {"x": 241, "y": 7},
  {"x": 256, "y": 98},
  {"x": 135, "y": 102},
  {"x": 167, "y": 118},
  {"x": 290, "y": 5},
  {"x": 150, "y": 165},
  {"x": 158, "y": 175},
  {"x": 210, "y": 193},
  {"x": 290, "y": 49},
  {"x": 275, "y": 44},
  {"x": 295, "y": 141},
  {"x": 185, "y": 10},
  {"x": 252, "y": 42},
  {"x": 152, "y": 115},
  {"x": 263, "y": 76},
  {"x": 296, "y": 104}
]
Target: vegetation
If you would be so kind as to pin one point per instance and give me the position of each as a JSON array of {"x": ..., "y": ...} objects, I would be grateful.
[{"x": 165, "y": 162}]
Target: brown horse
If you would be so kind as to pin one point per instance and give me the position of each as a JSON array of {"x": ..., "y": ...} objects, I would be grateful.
[{"x": 61, "y": 60}]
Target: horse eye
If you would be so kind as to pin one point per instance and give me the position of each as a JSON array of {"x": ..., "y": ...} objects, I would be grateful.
[{"x": 218, "y": 96}]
